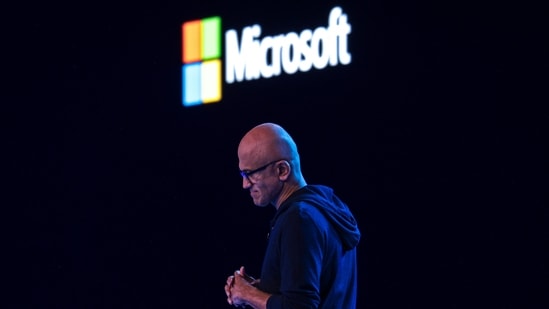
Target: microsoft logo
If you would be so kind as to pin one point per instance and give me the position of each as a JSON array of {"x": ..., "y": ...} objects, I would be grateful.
[
  {"x": 201, "y": 57},
  {"x": 249, "y": 55}
]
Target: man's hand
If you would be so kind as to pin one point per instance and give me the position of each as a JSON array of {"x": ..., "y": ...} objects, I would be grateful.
[{"x": 236, "y": 286}]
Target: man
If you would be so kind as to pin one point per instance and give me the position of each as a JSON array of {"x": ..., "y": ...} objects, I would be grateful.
[{"x": 310, "y": 260}]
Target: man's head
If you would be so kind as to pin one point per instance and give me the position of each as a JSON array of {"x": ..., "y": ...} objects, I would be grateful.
[{"x": 269, "y": 164}]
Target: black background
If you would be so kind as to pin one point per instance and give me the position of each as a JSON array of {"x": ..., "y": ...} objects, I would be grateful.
[{"x": 434, "y": 135}]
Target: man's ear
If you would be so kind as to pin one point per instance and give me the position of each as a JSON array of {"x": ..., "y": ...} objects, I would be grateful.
[{"x": 284, "y": 169}]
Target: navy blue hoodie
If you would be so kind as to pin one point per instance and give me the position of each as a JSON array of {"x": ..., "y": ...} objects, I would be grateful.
[{"x": 310, "y": 260}]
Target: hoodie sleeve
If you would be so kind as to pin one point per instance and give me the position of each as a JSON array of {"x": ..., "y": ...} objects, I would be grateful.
[{"x": 301, "y": 261}]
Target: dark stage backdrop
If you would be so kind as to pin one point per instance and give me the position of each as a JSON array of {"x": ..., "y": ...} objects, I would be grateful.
[{"x": 124, "y": 198}]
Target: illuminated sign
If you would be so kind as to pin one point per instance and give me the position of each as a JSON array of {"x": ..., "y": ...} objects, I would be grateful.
[
  {"x": 201, "y": 56},
  {"x": 252, "y": 57}
]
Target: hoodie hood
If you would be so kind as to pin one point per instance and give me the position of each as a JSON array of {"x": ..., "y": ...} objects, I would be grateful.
[{"x": 335, "y": 210}]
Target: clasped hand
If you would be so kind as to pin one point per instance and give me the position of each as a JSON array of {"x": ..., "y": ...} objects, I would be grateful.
[{"x": 237, "y": 286}]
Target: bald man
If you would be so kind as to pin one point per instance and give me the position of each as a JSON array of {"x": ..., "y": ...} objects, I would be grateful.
[{"x": 310, "y": 260}]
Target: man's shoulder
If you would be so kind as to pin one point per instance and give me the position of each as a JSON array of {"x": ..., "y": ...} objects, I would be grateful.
[{"x": 303, "y": 210}]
